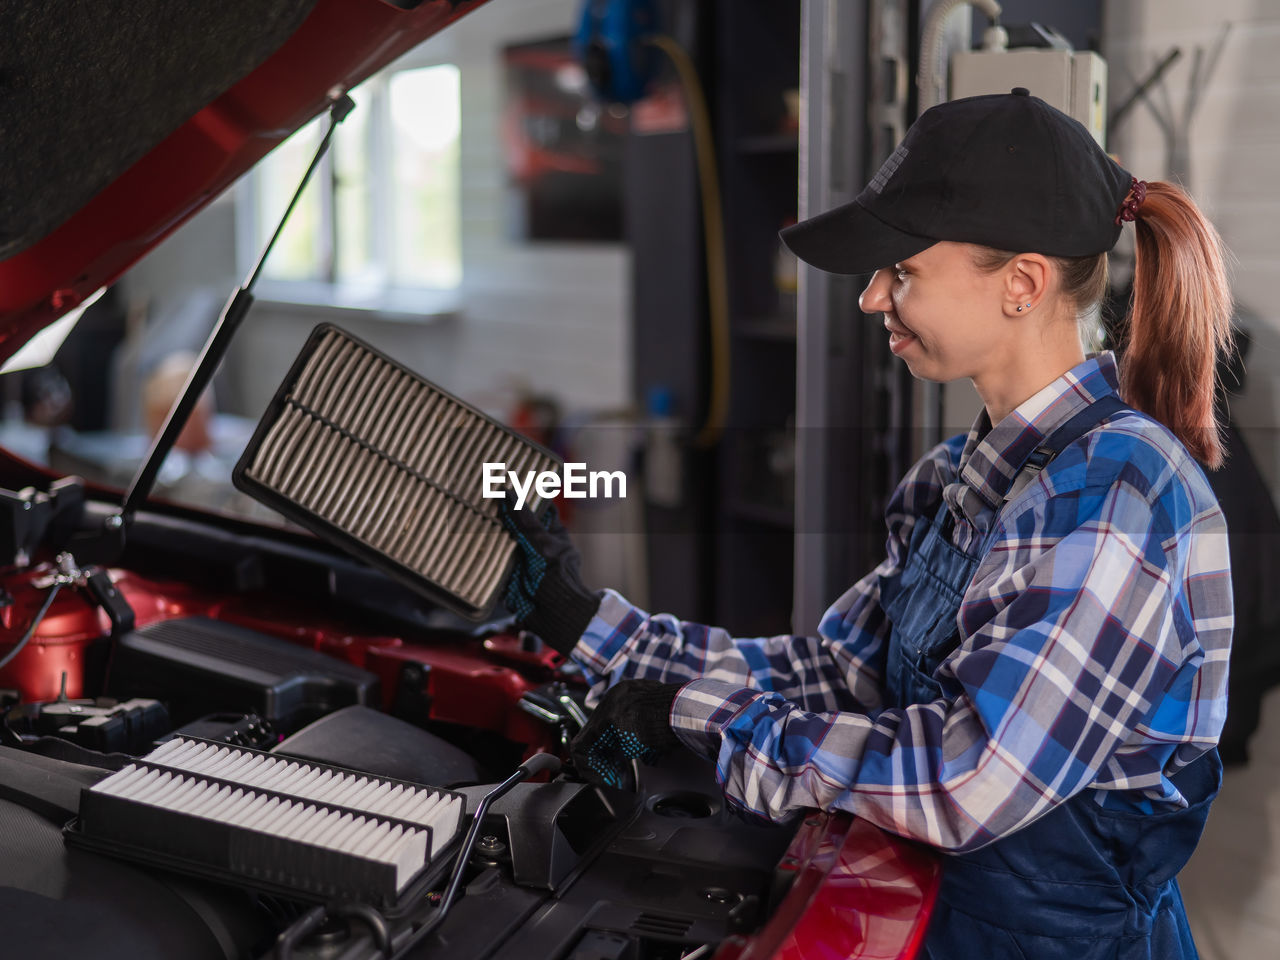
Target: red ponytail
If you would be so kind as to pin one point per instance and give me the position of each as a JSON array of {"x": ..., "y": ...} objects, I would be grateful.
[{"x": 1179, "y": 320}]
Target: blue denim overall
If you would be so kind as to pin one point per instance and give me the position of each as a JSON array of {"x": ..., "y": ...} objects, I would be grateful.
[{"x": 1081, "y": 882}]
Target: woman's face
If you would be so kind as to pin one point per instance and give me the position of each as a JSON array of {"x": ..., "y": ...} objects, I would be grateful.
[{"x": 942, "y": 313}]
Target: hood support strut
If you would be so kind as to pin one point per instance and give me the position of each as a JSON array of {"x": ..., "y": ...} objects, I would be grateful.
[{"x": 215, "y": 349}]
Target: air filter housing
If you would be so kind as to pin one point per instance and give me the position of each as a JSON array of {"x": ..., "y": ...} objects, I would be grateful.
[
  {"x": 206, "y": 666},
  {"x": 377, "y": 460},
  {"x": 303, "y": 829}
]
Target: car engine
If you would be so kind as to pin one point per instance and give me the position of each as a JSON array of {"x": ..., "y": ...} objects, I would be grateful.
[{"x": 274, "y": 641}]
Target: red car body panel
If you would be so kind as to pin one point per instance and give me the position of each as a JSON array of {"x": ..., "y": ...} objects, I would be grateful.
[{"x": 859, "y": 894}]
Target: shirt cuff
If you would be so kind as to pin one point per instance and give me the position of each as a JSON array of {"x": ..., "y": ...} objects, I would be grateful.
[
  {"x": 609, "y": 634},
  {"x": 703, "y": 708}
]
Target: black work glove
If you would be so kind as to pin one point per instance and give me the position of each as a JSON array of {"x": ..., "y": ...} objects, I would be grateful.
[
  {"x": 631, "y": 722},
  {"x": 545, "y": 592}
]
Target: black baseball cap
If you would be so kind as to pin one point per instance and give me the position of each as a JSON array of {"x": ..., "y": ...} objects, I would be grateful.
[{"x": 1003, "y": 170}]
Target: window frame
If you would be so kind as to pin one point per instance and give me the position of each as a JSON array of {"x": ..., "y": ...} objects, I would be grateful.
[{"x": 332, "y": 298}]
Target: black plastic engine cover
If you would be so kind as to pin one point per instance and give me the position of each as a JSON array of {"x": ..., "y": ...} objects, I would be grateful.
[
  {"x": 56, "y": 901},
  {"x": 203, "y": 666},
  {"x": 364, "y": 739}
]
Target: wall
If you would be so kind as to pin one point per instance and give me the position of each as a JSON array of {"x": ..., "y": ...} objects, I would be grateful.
[
  {"x": 1221, "y": 143},
  {"x": 1219, "y": 137},
  {"x": 555, "y": 317}
]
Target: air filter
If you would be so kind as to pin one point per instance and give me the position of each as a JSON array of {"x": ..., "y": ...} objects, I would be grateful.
[
  {"x": 374, "y": 458},
  {"x": 303, "y": 829}
]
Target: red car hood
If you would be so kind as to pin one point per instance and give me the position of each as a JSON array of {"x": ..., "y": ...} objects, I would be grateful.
[{"x": 120, "y": 119}]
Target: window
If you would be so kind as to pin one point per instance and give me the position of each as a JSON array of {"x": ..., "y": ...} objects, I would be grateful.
[{"x": 378, "y": 226}]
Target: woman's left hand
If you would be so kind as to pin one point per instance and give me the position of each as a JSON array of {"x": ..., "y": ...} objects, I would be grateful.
[{"x": 631, "y": 722}]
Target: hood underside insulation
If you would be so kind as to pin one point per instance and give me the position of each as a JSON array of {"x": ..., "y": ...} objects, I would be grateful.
[
  {"x": 370, "y": 456},
  {"x": 87, "y": 87}
]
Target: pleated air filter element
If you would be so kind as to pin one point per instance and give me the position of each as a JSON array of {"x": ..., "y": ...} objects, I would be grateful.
[
  {"x": 369, "y": 455},
  {"x": 292, "y": 827}
]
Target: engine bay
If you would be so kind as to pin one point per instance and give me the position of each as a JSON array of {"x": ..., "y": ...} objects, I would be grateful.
[{"x": 278, "y": 643}]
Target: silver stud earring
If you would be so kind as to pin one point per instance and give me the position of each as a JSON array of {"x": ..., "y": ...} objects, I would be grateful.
[{"x": 1019, "y": 309}]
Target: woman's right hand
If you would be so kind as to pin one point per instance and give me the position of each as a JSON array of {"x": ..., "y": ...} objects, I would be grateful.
[{"x": 545, "y": 593}]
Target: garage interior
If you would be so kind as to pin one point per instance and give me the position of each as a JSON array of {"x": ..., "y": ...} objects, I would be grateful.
[{"x": 578, "y": 292}]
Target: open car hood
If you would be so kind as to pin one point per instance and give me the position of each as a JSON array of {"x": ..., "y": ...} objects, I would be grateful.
[{"x": 120, "y": 119}]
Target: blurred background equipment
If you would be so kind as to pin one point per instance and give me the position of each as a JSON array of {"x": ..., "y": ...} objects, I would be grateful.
[{"x": 612, "y": 44}]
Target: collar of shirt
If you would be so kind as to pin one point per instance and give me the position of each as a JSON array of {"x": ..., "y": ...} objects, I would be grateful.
[{"x": 993, "y": 456}]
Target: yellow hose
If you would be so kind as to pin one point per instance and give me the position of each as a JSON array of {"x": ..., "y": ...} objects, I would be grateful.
[{"x": 713, "y": 238}]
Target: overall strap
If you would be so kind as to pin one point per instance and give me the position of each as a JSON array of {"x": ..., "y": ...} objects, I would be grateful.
[{"x": 1063, "y": 437}]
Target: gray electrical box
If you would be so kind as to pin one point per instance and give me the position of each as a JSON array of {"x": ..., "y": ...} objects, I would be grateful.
[{"x": 1075, "y": 83}]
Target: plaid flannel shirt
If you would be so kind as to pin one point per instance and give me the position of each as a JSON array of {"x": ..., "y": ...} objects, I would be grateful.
[{"x": 1093, "y": 644}]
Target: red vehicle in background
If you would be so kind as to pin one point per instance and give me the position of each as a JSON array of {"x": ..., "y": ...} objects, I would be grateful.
[{"x": 118, "y": 628}]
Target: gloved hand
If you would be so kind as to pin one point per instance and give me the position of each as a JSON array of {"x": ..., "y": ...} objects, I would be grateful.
[
  {"x": 631, "y": 722},
  {"x": 545, "y": 592}
]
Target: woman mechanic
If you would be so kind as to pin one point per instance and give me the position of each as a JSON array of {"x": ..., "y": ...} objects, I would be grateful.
[{"x": 1034, "y": 679}]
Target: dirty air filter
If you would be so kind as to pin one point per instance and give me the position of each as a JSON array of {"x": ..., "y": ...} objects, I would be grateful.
[{"x": 370, "y": 456}]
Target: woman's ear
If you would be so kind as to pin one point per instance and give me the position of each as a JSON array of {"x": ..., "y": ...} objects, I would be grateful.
[{"x": 1026, "y": 283}]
